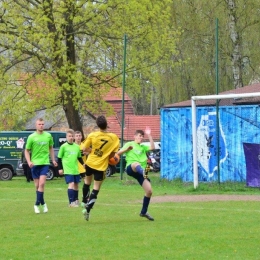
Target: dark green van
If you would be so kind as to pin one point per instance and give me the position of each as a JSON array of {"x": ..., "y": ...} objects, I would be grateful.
[{"x": 11, "y": 145}]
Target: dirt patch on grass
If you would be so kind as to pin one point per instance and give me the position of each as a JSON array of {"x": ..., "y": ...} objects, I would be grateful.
[{"x": 199, "y": 198}]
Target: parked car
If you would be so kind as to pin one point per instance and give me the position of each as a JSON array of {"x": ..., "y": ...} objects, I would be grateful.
[
  {"x": 154, "y": 156},
  {"x": 11, "y": 145},
  {"x": 111, "y": 169},
  {"x": 154, "y": 160}
]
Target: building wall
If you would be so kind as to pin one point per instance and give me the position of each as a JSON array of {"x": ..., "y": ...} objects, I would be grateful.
[{"x": 238, "y": 126}]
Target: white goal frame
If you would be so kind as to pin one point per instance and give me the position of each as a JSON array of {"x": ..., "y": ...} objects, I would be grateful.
[{"x": 194, "y": 129}]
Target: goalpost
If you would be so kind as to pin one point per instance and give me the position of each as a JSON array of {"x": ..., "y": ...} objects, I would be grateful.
[{"x": 194, "y": 126}]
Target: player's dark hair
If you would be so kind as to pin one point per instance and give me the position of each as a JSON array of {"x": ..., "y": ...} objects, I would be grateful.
[
  {"x": 139, "y": 132},
  {"x": 101, "y": 122}
]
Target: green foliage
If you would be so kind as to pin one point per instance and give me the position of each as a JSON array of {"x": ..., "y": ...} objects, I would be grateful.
[
  {"x": 196, "y": 73},
  {"x": 75, "y": 47}
]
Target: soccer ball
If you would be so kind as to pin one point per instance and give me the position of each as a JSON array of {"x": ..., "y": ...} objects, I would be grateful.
[{"x": 114, "y": 160}]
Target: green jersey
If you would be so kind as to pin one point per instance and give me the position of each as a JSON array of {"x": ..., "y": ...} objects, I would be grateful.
[
  {"x": 39, "y": 145},
  {"x": 69, "y": 154},
  {"x": 137, "y": 154}
]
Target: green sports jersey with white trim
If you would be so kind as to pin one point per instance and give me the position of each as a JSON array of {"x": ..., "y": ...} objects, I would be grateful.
[
  {"x": 69, "y": 154},
  {"x": 137, "y": 154},
  {"x": 40, "y": 144}
]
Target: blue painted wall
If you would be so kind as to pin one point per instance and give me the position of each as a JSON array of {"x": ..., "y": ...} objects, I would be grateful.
[{"x": 238, "y": 125}]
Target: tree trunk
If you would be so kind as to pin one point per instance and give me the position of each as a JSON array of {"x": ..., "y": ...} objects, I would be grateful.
[
  {"x": 68, "y": 95},
  {"x": 72, "y": 115},
  {"x": 236, "y": 56}
]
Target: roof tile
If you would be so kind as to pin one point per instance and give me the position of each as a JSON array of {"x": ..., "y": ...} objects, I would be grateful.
[{"x": 134, "y": 122}]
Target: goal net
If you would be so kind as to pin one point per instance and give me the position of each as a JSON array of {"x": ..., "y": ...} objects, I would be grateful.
[{"x": 226, "y": 138}]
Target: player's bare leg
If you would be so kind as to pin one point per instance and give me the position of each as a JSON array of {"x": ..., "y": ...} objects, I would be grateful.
[{"x": 148, "y": 194}]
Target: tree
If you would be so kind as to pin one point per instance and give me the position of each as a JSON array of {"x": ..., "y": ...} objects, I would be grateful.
[
  {"x": 235, "y": 37},
  {"x": 192, "y": 71},
  {"x": 75, "y": 48}
]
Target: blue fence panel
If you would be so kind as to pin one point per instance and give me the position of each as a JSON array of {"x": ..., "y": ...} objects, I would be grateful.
[
  {"x": 237, "y": 125},
  {"x": 176, "y": 148}
]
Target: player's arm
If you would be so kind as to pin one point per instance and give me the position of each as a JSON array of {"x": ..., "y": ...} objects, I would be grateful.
[
  {"x": 86, "y": 146},
  {"x": 115, "y": 151},
  {"x": 123, "y": 150},
  {"x": 81, "y": 161},
  {"x": 27, "y": 152},
  {"x": 52, "y": 156},
  {"x": 148, "y": 133},
  {"x": 86, "y": 151},
  {"x": 112, "y": 155},
  {"x": 60, "y": 166},
  {"x": 28, "y": 157}
]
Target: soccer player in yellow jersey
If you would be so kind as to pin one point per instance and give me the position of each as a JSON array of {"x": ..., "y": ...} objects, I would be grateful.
[
  {"x": 82, "y": 170},
  {"x": 103, "y": 146}
]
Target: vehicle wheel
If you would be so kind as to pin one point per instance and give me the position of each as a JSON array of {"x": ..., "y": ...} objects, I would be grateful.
[
  {"x": 109, "y": 171},
  {"x": 6, "y": 174},
  {"x": 50, "y": 174}
]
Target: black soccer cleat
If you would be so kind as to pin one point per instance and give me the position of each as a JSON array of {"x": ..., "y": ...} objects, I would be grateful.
[{"x": 146, "y": 215}]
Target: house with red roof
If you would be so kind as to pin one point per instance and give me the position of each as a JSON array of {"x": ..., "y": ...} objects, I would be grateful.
[{"x": 132, "y": 122}]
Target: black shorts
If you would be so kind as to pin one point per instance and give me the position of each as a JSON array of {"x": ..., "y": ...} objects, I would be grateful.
[
  {"x": 98, "y": 175},
  {"x": 83, "y": 175}
]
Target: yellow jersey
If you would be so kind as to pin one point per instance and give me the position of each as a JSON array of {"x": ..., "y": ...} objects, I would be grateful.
[
  {"x": 102, "y": 145},
  {"x": 84, "y": 158}
]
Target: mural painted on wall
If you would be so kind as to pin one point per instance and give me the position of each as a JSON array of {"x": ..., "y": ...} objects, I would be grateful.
[
  {"x": 208, "y": 149},
  {"x": 237, "y": 125}
]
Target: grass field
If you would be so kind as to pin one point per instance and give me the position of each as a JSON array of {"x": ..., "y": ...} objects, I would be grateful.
[{"x": 186, "y": 230}]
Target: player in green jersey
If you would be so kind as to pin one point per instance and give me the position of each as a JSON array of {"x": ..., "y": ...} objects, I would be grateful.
[
  {"x": 68, "y": 157},
  {"x": 136, "y": 163},
  {"x": 39, "y": 147}
]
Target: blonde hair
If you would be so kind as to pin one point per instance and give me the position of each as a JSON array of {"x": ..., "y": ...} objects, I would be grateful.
[{"x": 70, "y": 131}]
